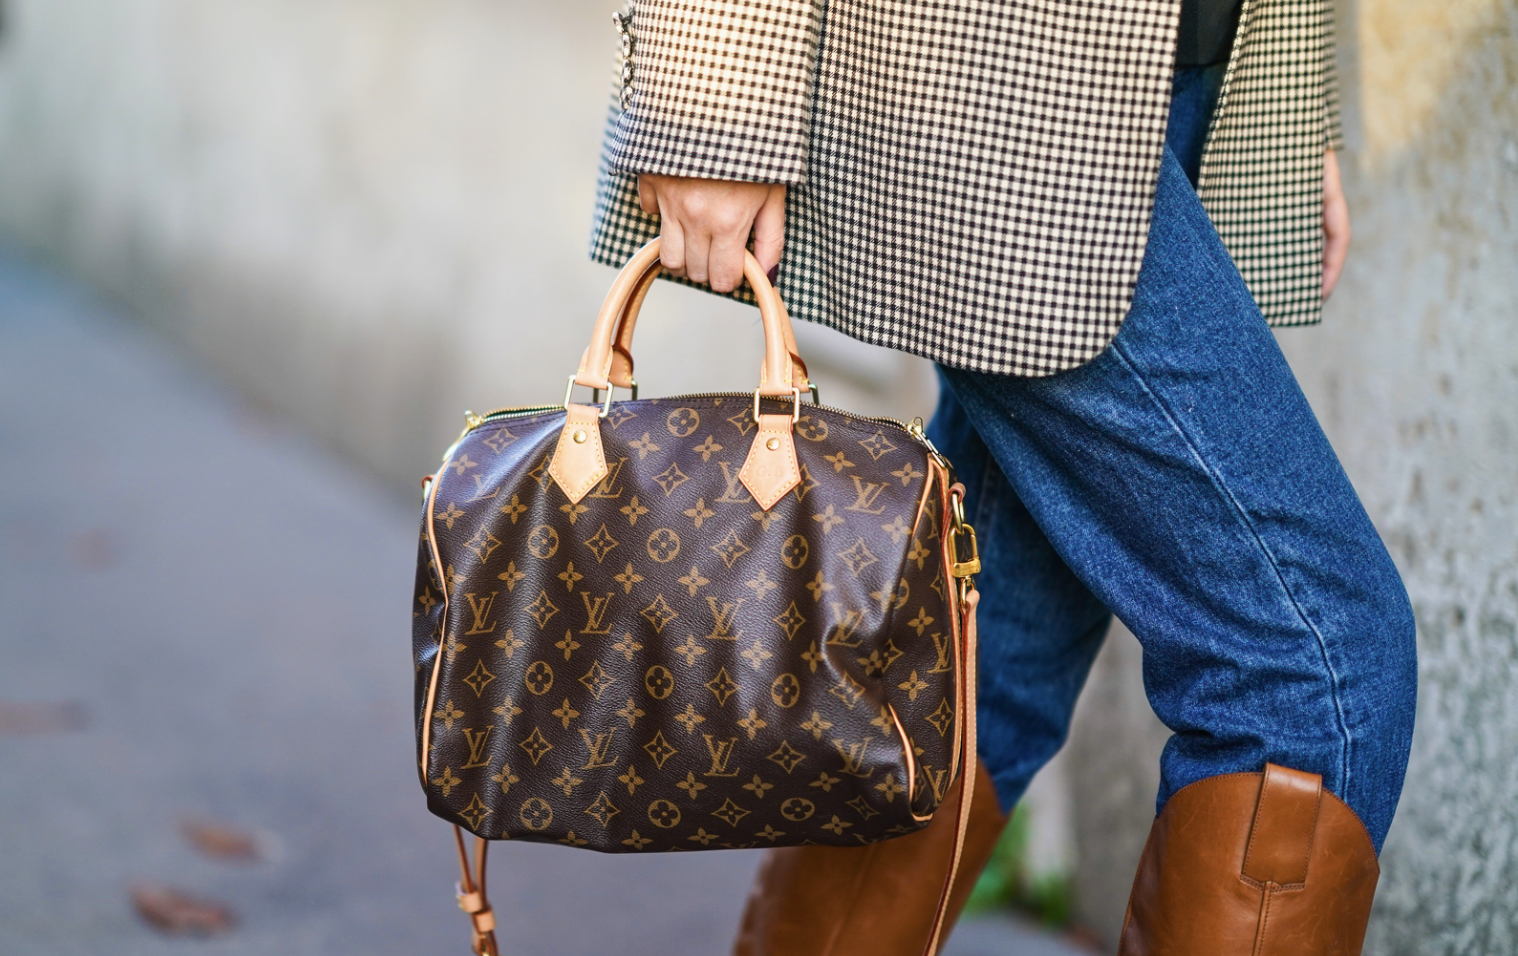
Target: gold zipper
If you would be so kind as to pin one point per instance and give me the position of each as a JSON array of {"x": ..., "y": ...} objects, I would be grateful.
[{"x": 914, "y": 428}]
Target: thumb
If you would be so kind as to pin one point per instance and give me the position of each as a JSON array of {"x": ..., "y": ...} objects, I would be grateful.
[{"x": 769, "y": 231}]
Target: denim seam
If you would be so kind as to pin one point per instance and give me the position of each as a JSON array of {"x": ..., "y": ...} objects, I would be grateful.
[{"x": 1243, "y": 516}]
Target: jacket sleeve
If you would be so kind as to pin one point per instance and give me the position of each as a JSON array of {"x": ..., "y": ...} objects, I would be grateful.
[
  {"x": 716, "y": 89},
  {"x": 1335, "y": 125}
]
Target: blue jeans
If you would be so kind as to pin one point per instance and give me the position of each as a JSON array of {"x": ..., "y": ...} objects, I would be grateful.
[{"x": 1181, "y": 481}]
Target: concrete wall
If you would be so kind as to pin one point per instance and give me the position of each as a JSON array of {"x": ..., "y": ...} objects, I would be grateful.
[
  {"x": 368, "y": 214},
  {"x": 371, "y": 214},
  {"x": 1415, "y": 376}
]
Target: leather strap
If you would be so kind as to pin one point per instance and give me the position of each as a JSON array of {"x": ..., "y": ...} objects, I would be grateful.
[
  {"x": 1285, "y": 819},
  {"x": 471, "y": 895},
  {"x": 967, "y": 746},
  {"x": 621, "y": 374},
  {"x": 776, "y": 374}
]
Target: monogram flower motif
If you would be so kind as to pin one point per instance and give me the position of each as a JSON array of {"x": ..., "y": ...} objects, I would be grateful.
[
  {"x": 730, "y": 549},
  {"x": 447, "y": 781},
  {"x": 858, "y": 557},
  {"x": 722, "y": 686},
  {"x": 536, "y": 745},
  {"x": 699, "y": 512},
  {"x": 602, "y": 809},
  {"x": 877, "y": 445},
  {"x": 566, "y": 713},
  {"x": 631, "y": 713},
  {"x": 475, "y": 813},
  {"x": 601, "y": 543},
  {"x": 730, "y": 813},
  {"x": 660, "y": 749},
  {"x": 628, "y": 578},
  {"x": 478, "y": 678},
  {"x": 506, "y": 778},
  {"x": 632, "y": 780},
  {"x": 566, "y": 781},
  {"x": 693, "y": 581},
  {"x": 659, "y": 613},
  {"x": 634, "y": 510},
  {"x": 644, "y": 446}
]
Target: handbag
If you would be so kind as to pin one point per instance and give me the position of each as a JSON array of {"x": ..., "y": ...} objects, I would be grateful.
[{"x": 710, "y": 621}]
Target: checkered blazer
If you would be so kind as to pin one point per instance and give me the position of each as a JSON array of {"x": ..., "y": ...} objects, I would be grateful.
[{"x": 971, "y": 180}]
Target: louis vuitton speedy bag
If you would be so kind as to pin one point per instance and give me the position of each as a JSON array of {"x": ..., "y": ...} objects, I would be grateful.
[{"x": 710, "y": 621}]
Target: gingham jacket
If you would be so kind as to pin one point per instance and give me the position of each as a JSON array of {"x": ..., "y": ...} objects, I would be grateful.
[{"x": 971, "y": 180}]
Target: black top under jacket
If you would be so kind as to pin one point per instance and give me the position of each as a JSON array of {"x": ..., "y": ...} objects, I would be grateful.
[{"x": 1206, "y": 33}]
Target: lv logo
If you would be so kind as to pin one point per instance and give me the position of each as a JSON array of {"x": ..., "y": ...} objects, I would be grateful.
[
  {"x": 843, "y": 632},
  {"x": 479, "y": 489},
  {"x": 865, "y": 495},
  {"x": 853, "y": 756},
  {"x": 595, "y": 613},
  {"x": 735, "y": 494},
  {"x": 722, "y": 619},
  {"x": 936, "y": 780},
  {"x": 479, "y": 609},
  {"x": 943, "y": 647},
  {"x": 610, "y": 486},
  {"x": 477, "y": 739},
  {"x": 599, "y": 746},
  {"x": 722, "y": 754}
]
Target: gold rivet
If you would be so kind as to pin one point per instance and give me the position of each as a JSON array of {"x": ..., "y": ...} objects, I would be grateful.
[
  {"x": 773, "y": 444},
  {"x": 579, "y": 436}
]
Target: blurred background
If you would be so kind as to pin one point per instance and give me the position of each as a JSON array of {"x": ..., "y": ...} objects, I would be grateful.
[{"x": 256, "y": 259}]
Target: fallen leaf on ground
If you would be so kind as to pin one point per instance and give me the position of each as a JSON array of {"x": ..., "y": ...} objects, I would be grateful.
[
  {"x": 96, "y": 550},
  {"x": 1085, "y": 938},
  {"x": 41, "y": 717},
  {"x": 173, "y": 911},
  {"x": 221, "y": 840}
]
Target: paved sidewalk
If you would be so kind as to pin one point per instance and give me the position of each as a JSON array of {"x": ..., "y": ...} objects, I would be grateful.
[{"x": 225, "y": 609}]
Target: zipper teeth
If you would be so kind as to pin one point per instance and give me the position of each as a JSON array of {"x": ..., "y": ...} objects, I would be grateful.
[{"x": 517, "y": 412}]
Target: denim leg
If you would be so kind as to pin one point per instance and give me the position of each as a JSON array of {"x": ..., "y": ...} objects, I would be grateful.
[
  {"x": 1183, "y": 478},
  {"x": 1040, "y": 627}
]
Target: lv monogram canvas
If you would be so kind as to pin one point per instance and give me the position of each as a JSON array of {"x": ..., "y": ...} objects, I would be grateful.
[{"x": 666, "y": 665}]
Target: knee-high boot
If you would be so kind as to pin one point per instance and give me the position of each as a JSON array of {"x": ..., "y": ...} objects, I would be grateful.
[
  {"x": 1252, "y": 864},
  {"x": 876, "y": 900}
]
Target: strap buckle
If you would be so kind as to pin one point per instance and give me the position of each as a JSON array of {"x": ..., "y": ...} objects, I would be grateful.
[
  {"x": 605, "y": 405},
  {"x": 795, "y": 404}
]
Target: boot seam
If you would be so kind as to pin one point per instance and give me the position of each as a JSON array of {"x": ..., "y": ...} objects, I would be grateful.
[{"x": 847, "y": 904}]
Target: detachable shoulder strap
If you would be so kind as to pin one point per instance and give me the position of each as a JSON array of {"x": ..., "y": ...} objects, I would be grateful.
[{"x": 967, "y": 771}]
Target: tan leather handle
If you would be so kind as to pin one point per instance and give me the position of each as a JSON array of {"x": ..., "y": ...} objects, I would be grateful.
[
  {"x": 778, "y": 374},
  {"x": 621, "y": 374}
]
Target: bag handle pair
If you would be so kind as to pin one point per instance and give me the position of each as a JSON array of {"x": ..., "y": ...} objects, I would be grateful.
[
  {"x": 621, "y": 374},
  {"x": 771, "y": 469}
]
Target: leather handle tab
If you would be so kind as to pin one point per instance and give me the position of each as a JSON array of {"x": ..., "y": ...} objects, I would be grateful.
[
  {"x": 771, "y": 468},
  {"x": 579, "y": 459},
  {"x": 777, "y": 376},
  {"x": 1285, "y": 819}
]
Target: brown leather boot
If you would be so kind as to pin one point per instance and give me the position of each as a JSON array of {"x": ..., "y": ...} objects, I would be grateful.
[
  {"x": 1251, "y": 864},
  {"x": 876, "y": 900}
]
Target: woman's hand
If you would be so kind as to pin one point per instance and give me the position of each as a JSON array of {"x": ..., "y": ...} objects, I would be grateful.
[
  {"x": 1335, "y": 224},
  {"x": 704, "y": 225}
]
